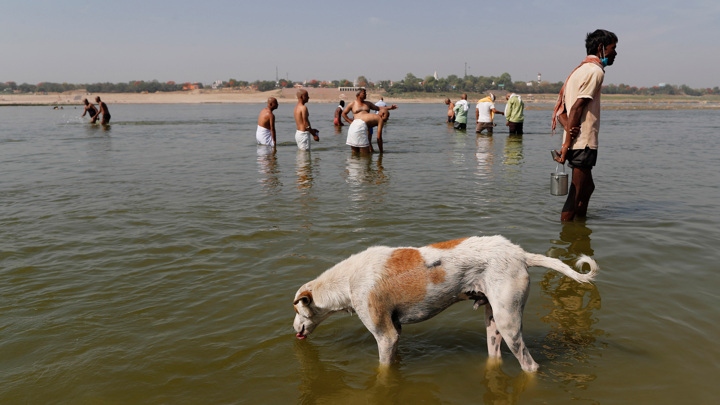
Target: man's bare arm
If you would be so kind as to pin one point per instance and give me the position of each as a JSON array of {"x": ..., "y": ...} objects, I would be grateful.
[
  {"x": 379, "y": 136},
  {"x": 571, "y": 123},
  {"x": 346, "y": 111}
]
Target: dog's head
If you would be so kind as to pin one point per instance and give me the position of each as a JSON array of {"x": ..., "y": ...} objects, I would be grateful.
[{"x": 309, "y": 314}]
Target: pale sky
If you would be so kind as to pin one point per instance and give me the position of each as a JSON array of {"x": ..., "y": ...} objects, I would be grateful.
[{"x": 660, "y": 41}]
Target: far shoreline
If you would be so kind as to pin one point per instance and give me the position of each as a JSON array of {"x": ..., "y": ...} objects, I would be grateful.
[{"x": 286, "y": 96}]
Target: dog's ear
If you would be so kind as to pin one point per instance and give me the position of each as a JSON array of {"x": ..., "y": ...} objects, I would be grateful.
[
  {"x": 304, "y": 297},
  {"x": 302, "y": 304}
]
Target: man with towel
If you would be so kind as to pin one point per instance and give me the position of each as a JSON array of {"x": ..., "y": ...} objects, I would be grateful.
[
  {"x": 359, "y": 132},
  {"x": 485, "y": 113},
  {"x": 461, "y": 110},
  {"x": 302, "y": 121},
  {"x": 578, "y": 111},
  {"x": 361, "y": 105},
  {"x": 265, "y": 133}
]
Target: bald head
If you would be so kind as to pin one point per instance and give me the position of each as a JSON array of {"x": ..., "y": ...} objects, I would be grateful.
[
  {"x": 464, "y": 96},
  {"x": 272, "y": 103},
  {"x": 301, "y": 92}
]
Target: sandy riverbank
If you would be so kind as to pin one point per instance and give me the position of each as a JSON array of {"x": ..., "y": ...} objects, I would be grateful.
[{"x": 208, "y": 96}]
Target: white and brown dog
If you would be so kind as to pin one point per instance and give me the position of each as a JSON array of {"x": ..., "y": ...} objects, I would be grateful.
[{"x": 388, "y": 287}]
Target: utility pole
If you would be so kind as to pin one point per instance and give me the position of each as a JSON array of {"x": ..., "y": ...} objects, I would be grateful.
[{"x": 465, "y": 70}]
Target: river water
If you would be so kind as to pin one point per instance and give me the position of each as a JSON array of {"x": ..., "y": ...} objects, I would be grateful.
[{"x": 156, "y": 261}]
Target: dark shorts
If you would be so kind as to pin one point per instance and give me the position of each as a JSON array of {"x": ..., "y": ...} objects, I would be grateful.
[
  {"x": 451, "y": 119},
  {"x": 459, "y": 125},
  {"x": 516, "y": 128},
  {"x": 581, "y": 158}
]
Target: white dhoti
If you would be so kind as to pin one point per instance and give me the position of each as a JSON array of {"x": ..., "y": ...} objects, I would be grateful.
[
  {"x": 303, "y": 140},
  {"x": 358, "y": 134},
  {"x": 264, "y": 136}
]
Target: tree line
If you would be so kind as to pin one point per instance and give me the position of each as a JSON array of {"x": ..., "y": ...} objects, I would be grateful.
[{"x": 409, "y": 84}]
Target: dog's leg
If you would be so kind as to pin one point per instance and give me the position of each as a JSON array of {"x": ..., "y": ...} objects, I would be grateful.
[
  {"x": 494, "y": 339},
  {"x": 386, "y": 332},
  {"x": 508, "y": 317},
  {"x": 387, "y": 337}
]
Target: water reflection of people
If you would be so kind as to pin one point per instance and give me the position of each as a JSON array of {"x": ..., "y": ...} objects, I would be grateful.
[
  {"x": 484, "y": 155},
  {"x": 367, "y": 180},
  {"x": 571, "y": 308},
  {"x": 267, "y": 166},
  {"x": 513, "y": 152},
  {"x": 360, "y": 169},
  {"x": 304, "y": 170}
]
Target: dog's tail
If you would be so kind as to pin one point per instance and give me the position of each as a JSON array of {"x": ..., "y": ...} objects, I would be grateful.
[{"x": 543, "y": 261}]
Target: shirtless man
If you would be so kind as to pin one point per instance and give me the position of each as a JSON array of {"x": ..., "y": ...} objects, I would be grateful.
[
  {"x": 102, "y": 109},
  {"x": 265, "y": 133},
  {"x": 304, "y": 130},
  {"x": 338, "y": 114},
  {"x": 450, "y": 112},
  {"x": 359, "y": 131},
  {"x": 361, "y": 105},
  {"x": 89, "y": 110}
]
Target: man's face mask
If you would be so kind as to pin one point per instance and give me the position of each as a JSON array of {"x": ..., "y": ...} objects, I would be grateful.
[{"x": 604, "y": 59}]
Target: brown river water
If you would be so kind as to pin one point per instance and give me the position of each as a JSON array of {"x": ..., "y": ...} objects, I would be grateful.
[{"x": 155, "y": 261}]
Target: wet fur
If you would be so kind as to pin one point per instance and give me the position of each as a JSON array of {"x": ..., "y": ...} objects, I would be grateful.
[{"x": 388, "y": 287}]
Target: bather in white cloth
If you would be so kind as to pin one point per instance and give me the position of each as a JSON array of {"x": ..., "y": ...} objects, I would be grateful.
[
  {"x": 303, "y": 140},
  {"x": 264, "y": 136},
  {"x": 358, "y": 134}
]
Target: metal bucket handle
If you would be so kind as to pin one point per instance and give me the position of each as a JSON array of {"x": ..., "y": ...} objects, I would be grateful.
[{"x": 558, "y": 167}]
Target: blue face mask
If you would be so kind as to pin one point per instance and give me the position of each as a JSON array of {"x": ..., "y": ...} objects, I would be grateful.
[{"x": 604, "y": 59}]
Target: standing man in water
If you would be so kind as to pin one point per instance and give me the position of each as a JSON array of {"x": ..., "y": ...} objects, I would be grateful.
[
  {"x": 578, "y": 111},
  {"x": 450, "y": 112},
  {"x": 265, "y": 133},
  {"x": 337, "y": 121},
  {"x": 89, "y": 110},
  {"x": 302, "y": 121},
  {"x": 485, "y": 114},
  {"x": 514, "y": 113},
  {"x": 361, "y": 105},
  {"x": 102, "y": 109},
  {"x": 461, "y": 110}
]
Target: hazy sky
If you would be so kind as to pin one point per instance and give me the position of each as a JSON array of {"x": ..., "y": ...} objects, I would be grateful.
[{"x": 661, "y": 41}]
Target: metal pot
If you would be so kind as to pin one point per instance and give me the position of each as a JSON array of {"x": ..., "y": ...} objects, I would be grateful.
[{"x": 559, "y": 181}]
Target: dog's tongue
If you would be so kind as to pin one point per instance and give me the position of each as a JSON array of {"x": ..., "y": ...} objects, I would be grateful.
[{"x": 300, "y": 336}]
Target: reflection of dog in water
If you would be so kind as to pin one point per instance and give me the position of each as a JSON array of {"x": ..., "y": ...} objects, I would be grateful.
[{"x": 388, "y": 287}]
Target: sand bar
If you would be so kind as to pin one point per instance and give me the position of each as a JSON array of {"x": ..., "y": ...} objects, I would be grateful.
[{"x": 228, "y": 96}]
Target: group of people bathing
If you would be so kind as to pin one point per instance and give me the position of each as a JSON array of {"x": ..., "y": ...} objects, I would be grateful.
[
  {"x": 577, "y": 111},
  {"x": 359, "y": 133},
  {"x": 94, "y": 113},
  {"x": 485, "y": 113}
]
